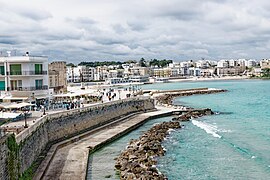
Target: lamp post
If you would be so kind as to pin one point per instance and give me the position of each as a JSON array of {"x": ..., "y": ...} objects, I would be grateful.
[
  {"x": 119, "y": 94},
  {"x": 25, "y": 121},
  {"x": 44, "y": 112}
]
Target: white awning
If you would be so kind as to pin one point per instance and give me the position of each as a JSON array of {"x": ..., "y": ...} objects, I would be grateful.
[
  {"x": 6, "y": 115},
  {"x": 15, "y": 98},
  {"x": 15, "y": 105},
  {"x": 24, "y": 104},
  {"x": 75, "y": 94}
]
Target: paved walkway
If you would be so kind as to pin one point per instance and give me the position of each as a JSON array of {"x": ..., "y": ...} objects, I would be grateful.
[{"x": 70, "y": 161}]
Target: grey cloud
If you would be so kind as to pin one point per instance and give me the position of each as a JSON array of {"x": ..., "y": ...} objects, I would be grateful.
[
  {"x": 9, "y": 40},
  {"x": 119, "y": 29},
  {"x": 137, "y": 25},
  {"x": 82, "y": 21},
  {"x": 174, "y": 29},
  {"x": 36, "y": 15}
]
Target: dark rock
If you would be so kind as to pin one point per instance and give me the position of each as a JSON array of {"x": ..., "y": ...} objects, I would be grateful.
[{"x": 137, "y": 161}]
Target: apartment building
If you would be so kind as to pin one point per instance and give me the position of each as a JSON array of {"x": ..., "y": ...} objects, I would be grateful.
[
  {"x": 115, "y": 73},
  {"x": 265, "y": 63},
  {"x": 23, "y": 78},
  {"x": 58, "y": 77},
  {"x": 80, "y": 74},
  {"x": 101, "y": 73},
  {"x": 223, "y": 64},
  {"x": 139, "y": 71},
  {"x": 231, "y": 71}
]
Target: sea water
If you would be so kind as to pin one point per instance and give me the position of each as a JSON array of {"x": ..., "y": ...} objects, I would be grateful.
[
  {"x": 101, "y": 163},
  {"x": 233, "y": 144}
]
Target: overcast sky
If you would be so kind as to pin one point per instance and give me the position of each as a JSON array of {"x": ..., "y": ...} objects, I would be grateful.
[{"x": 88, "y": 30}]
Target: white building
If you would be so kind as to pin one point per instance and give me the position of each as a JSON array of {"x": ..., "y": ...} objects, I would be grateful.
[
  {"x": 80, "y": 74},
  {"x": 139, "y": 79},
  {"x": 265, "y": 63},
  {"x": 185, "y": 64},
  {"x": 194, "y": 71},
  {"x": 232, "y": 63},
  {"x": 207, "y": 72},
  {"x": 23, "y": 78},
  {"x": 223, "y": 64},
  {"x": 101, "y": 73},
  {"x": 242, "y": 62},
  {"x": 116, "y": 73},
  {"x": 251, "y": 63},
  {"x": 111, "y": 81}
]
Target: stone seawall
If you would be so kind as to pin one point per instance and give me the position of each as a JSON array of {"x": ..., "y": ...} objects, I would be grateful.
[
  {"x": 3, "y": 158},
  {"x": 57, "y": 127}
]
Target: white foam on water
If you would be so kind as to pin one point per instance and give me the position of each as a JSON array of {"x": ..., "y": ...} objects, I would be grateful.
[
  {"x": 224, "y": 130},
  {"x": 209, "y": 129},
  {"x": 170, "y": 131}
]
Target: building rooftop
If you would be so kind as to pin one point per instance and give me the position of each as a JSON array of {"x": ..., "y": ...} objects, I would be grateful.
[{"x": 23, "y": 58}]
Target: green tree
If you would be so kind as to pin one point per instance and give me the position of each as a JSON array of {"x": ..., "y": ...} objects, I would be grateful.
[
  {"x": 142, "y": 62},
  {"x": 266, "y": 73},
  {"x": 70, "y": 64},
  {"x": 160, "y": 63}
]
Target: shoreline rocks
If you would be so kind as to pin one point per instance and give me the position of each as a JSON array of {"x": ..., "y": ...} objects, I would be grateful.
[
  {"x": 193, "y": 114},
  {"x": 139, "y": 161},
  {"x": 167, "y": 98}
]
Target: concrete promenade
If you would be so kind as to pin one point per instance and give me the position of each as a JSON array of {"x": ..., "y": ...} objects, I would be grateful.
[{"x": 68, "y": 160}]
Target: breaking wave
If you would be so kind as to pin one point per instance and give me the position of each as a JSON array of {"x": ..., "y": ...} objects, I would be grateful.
[{"x": 210, "y": 129}]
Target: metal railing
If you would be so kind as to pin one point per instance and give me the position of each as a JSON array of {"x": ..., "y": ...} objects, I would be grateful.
[
  {"x": 27, "y": 73},
  {"x": 32, "y": 88}
]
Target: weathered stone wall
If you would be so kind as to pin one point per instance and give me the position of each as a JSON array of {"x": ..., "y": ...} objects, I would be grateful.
[
  {"x": 61, "y": 126},
  {"x": 3, "y": 158}
]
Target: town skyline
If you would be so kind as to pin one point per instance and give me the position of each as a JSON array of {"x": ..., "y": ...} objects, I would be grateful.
[{"x": 93, "y": 30}]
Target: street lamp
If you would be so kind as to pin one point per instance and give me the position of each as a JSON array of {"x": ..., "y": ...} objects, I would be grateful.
[
  {"x": 44, "y": 112},
  {"x": 25, "y": 121},
  {"x": 119, "y": 94}
]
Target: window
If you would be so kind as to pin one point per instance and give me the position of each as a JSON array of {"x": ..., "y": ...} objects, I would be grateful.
[
  {"x": 16, "y": 85},
  {"x": 39, "y": 84},
  {"x": 2, "y": 85},
  {"x": 15, "y": 69},
  {"x": 2, "y": 70},
  {"x": 38, "y": 68}
]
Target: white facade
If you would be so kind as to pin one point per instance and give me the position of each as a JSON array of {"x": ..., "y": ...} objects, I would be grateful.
[
  {"x": 194, "y": 71},
  {"x": 23, "y": 78},
  {"x": 223, "y": 64},
  {"x": 111, "y": 81},
  {"x": 232, "y": 63},
  {"x": 101, "y": 73},
  {"x": 80, "y": 73},
  {"x": 251, "y": 63},
  {"x": 265, "y": 63},
  {"x": 185, "y": 64},
  {"x": 242, "y": 62},
  {"x": 139, "y": 79}
]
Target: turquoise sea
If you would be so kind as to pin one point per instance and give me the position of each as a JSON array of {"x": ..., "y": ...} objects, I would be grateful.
[{"x": 235, "y": 144}]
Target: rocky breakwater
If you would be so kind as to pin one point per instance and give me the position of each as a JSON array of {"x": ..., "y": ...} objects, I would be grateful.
[
  {"x": 139, "y": 159},
  {"x": 193, "y": 114},
  {"x": 167, "y": 98}
]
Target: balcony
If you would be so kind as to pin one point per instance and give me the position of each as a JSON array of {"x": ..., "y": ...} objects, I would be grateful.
[
  {"x": 33, "y": 88},
  {"x": 26, "y": 73}
]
